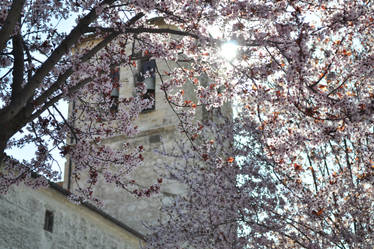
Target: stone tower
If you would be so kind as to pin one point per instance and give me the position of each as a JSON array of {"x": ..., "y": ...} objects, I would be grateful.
[{"x": 157, "y": 126}]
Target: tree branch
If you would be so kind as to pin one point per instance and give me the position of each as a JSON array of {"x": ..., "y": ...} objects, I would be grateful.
[
  {"x": 54, "y": 100},
  {"x": 15, "y": 106},
  {"x": 10, "y": 23},
  {"x": 18, "y": 68},
  {"x": 145, "y": 30},
  {"x": 62, "y": 78}
]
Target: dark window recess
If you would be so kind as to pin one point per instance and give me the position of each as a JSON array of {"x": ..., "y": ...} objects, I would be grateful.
[
  {"x": 155, "y": 139},
  {"x": 147, "y": 76},
  {"x": 48, "y": 221},
  {"x": 207, "y": 115},
  {"x": 114, "y": 95}
]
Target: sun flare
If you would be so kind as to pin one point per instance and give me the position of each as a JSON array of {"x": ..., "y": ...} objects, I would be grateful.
[{"x": 229, "y": 50}]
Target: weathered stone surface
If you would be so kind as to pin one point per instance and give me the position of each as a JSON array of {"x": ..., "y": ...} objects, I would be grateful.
[
  {"x": 15, "y": 236},
  {"x": 157, "y": 128},
  {"x": 22, "y": 217}
]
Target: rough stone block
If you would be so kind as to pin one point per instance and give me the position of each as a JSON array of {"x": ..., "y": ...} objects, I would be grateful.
[{"x": 15, "y": 236}]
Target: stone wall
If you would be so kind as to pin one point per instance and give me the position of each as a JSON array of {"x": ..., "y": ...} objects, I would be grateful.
[
  {"x": 22, "y": 219},
  {"x": 157, "y": 128}
]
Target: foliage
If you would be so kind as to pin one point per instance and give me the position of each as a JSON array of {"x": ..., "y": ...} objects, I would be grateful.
[
  {"x": 225, "y": 196},
  {"x": 302, "y": 77},
  {"x": 42, "y": 64},
  {"x": 246, "y": 202}
]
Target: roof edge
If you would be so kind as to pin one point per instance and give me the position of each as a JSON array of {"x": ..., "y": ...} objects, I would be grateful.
[{"x": 103, "y": 214}]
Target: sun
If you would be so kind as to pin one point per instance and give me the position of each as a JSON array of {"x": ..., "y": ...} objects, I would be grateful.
[{"x": 229, "y": 50}]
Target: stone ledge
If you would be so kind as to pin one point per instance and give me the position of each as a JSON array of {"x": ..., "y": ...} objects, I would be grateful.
[{"x": 106, "y": 216}]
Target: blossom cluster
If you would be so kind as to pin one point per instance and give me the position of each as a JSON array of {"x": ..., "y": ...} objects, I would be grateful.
[{"x": 301, "y": 82}]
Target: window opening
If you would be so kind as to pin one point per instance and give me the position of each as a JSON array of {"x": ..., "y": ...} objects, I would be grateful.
[
  {"x": 114, "y": 95},
  {"x": 147, "y": 76},
  {"x": 155, "y": 138},
  {"x": 207, "y": 115},
  {"x": 48, "y": 221}
]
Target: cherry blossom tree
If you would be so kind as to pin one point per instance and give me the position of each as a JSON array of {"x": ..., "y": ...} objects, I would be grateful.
[
  {"x": 238, "y": 198},
  {"x": 44, "y": 59},
  {"x": 302, "y": 80},
  {"x": 229, "y": 191}
]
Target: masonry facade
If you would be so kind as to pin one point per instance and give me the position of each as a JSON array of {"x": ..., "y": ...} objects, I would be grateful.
[
  {"x": 45, "y": 218},
  {"x": 157, "y": 128}
]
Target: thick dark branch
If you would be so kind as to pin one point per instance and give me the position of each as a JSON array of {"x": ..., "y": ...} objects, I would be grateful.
[
  {"x": 18, "y": 68},
  {"x": 10, "y": 23},
  {"x": 55, "y": 99},
  {"x": 26, "y": 114},
  {"x": 29, "y": 59},
  {"x": 63, "y": 77},
  {"x": 160, "y": 31},
  {"x": 146, "y": 30},
  {"x": 15, "y": 106}
]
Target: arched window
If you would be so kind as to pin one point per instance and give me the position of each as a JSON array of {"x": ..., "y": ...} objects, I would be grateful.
[
  {"x": 147, "y": 76},
  {"x": 114, "y": 95}
]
